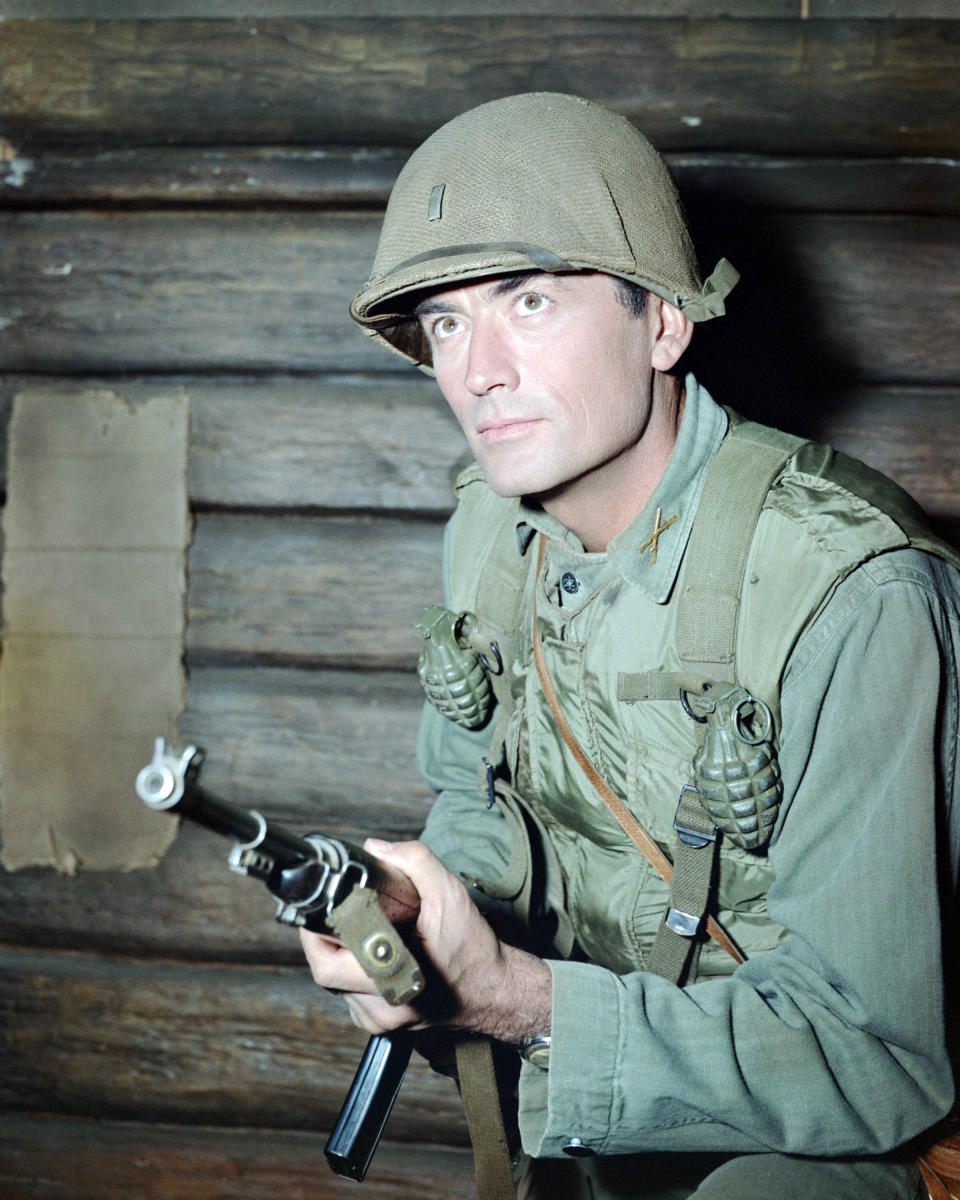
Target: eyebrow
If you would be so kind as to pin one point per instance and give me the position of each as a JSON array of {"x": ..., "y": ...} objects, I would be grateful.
[
  {"x": 427, "y": 308},
  {"x": 502, "y": 287}
]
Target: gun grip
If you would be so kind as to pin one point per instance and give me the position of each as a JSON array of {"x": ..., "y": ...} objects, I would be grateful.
[{"x": 357, "y": 1131}]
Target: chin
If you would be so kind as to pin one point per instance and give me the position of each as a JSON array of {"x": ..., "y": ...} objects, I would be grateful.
[
  {"x": 503, "y": 488},
  {"x": 509, "y": 472},
  {"x": 512, "y": 485}
]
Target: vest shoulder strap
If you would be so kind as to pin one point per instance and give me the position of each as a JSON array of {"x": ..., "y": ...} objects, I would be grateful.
[{"x": 749, "y": 459}]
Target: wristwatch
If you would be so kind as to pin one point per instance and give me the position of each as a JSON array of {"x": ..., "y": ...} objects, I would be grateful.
[{"x": 536, "y": 1050}]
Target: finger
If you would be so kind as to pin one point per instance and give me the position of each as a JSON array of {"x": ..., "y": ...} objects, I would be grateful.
[
  {"x": 374, "y": 1015},
  {"x": 425, "y": 871},
  {"x": 333, "y": 966}
]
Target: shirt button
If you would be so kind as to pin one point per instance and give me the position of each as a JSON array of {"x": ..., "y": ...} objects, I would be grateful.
[
  {"x": 569, "y": 582},
  {"x": 576, "y": 1149}
]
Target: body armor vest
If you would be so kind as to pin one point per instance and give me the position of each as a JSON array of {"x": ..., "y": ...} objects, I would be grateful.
[{"x": 622, "y": 663}]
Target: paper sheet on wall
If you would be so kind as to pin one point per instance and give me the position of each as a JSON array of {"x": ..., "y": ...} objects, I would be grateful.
[{"x": 96, "y": 527}]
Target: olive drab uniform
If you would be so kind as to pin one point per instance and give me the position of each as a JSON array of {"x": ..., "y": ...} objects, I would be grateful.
[
  {"x": 625, "y": 700},
  {"x": 749, "y": 585}
]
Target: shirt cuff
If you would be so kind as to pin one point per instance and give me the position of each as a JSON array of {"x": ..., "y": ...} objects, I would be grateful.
[{"x": 569, "y": 1102}]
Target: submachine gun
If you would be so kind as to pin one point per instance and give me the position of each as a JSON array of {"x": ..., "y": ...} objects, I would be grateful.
[{"x": 315, "y": 881}]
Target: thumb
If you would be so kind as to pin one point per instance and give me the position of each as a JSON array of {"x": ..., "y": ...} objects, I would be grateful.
[{"x": 425, "y": 871}]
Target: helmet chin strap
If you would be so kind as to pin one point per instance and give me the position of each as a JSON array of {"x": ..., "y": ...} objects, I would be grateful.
[{"x": 716, "y": 287}]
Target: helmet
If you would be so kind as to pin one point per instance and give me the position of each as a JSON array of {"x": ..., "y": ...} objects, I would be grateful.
[{"x": 539, "y": 181}]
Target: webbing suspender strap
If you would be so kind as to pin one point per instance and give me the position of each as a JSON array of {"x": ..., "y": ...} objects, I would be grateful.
[
  {"x": 675, "y": 950},
  {"x": 748, "y": 461},
  {"x": 481, "y": 1103}
]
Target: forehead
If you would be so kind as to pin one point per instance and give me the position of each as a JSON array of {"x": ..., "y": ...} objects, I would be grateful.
[{"x": 587, "y": 284}]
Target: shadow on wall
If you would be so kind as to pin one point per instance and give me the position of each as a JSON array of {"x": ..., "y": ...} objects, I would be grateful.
[{"x": 771, "y": 358}]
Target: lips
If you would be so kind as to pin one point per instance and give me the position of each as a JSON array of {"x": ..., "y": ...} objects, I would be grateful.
[{"x": 494, "y": 429}]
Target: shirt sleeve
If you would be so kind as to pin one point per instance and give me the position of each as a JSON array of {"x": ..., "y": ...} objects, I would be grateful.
[
  {"x": 469, "y": 836},
  {"x": 834, "y": 1042}
]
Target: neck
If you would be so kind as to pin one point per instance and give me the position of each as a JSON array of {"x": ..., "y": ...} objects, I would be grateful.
[{"x": 602, "y": 503}]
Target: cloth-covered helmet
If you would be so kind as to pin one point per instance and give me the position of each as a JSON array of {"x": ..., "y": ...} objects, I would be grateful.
[{"x": 540, "y": 181}]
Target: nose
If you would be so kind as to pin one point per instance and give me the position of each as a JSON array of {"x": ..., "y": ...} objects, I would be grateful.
[{"x": 490, "y": 359}]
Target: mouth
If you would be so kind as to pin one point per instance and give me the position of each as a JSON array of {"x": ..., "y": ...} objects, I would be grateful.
[{"x": 498, "y": 429}]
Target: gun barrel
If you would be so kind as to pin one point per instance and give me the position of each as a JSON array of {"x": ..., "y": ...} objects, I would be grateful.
[
  {"x": 283, "y": 845},
  {"x": 160, "y": 788}
]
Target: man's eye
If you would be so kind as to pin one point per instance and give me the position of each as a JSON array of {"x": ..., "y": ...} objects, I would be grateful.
[
  {"x": 532, "y": 301},
  {"x": 446, "y": 326}
]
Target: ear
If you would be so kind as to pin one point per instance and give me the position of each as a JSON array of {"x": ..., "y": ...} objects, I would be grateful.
[{"x": 673, "y": 336}]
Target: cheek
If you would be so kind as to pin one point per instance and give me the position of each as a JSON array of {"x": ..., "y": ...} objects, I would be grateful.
[
  {"x": 606, "y": 421},
  {"x": 454, "y": 397}
]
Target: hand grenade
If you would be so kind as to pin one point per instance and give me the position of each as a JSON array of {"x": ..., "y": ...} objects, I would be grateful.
[
  {"x": 453, "y": 666},
  {"x": 736, "y": 769}
]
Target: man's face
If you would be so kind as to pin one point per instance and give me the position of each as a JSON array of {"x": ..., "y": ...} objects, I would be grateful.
[{"x": 548, "y": 375}]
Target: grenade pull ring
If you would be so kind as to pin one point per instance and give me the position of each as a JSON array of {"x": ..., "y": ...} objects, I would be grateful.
[
  {"x": 465, "y": 633},
  {"x": 750, "y": 729},
  {"x": 701, "y": 719}
]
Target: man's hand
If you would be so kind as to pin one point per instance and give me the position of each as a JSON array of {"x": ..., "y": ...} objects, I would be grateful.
[{"x": 491, "y": 987}]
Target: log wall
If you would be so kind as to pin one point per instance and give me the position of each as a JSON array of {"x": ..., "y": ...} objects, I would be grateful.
[{"x": 189, "y": 204}]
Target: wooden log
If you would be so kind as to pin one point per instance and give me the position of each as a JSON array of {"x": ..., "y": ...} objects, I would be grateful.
[
  {"x": 821, "y": 305},
  {"x": 863, "y": 275},
  {"x": 913, "y": 436},
  {"x": 342, "y": 442},
  {"x": 331, "y": 749},
  {"x": 330, "y": 591},
  {"x": 340, "y": 176},
  {"x": 299, "y": 442},
  {"x": 388, "y": 442},
  {"x": 842, "y": 9},
  {"x": 177, "y": 175},
  {"x": 190, "y": 291},
  {"x": 157, "y": 291},
  {"x": 815, "y": 185},
  {"x": 346, "y": 591},
  {"x": 821, "y": 9},
  {"x": 55, "y": 1158},
  {"x": 190, "y": 906},
  {"x": 194, "y": 1043},
  {"x": 860, "y": 86}
]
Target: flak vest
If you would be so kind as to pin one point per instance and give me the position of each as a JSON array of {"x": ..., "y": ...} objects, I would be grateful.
[{"x": 781, "y": 522}]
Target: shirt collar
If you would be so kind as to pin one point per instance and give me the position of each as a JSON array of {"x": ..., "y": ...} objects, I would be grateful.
[{"x": 702, "y": 429}]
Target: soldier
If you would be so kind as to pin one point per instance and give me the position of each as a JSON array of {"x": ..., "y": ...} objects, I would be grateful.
[{"x": 698, "y": 782}]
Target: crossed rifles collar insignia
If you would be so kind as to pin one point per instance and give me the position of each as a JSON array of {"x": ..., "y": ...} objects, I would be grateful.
[{"x": 653, "y": 540}]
